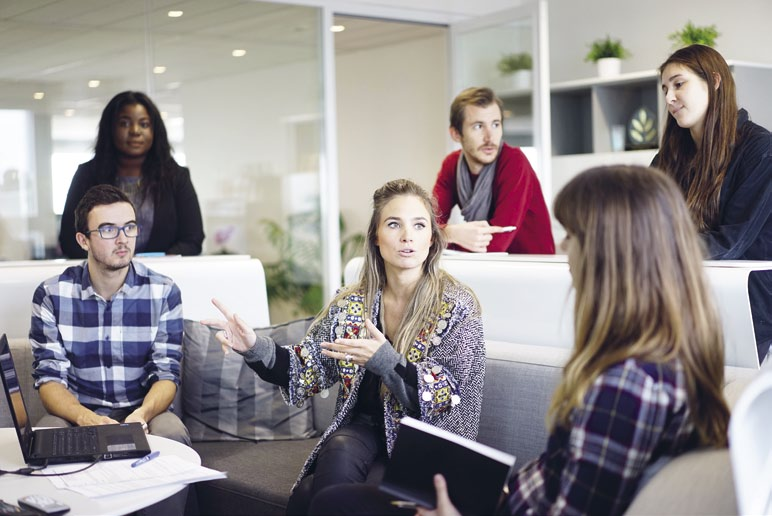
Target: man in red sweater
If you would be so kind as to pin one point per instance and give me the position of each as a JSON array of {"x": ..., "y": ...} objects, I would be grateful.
[{"x": 493, "y": 184}]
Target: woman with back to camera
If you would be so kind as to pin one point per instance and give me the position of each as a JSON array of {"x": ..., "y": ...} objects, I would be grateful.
[
  {"x": 644, "y": 380},
  {"x": 723, "y": 163},
  {"x": 405, "y": 340},
  {"x": 132, "y": 152}
]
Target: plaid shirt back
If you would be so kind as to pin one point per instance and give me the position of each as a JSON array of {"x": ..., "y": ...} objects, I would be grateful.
[
  {"x": 107, "y": 352},
  {"x": 633, "y": 414}
]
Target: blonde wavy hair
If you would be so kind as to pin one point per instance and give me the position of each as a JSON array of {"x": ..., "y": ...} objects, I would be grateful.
[
  {"x": 421, "y": 312},
  {"x": 640, "y": 290}
]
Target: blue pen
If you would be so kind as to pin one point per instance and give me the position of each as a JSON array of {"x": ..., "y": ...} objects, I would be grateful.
[{"x": 147, "y": 458}]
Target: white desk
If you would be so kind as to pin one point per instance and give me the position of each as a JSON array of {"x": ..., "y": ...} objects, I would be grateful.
[{"x": 12, "y": 487}]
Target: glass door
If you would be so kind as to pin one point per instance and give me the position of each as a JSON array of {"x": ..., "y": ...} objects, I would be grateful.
[{"x": 508, "y": 52}]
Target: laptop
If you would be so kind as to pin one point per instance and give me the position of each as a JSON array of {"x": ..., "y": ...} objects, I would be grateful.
[{"x": 62, "y": 445}]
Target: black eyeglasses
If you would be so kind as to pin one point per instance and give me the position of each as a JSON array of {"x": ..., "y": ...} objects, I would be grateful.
[{"x": 111, "y": 232}]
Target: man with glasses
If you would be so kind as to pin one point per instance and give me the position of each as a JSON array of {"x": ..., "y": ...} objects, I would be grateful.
[{"x": 107, "y": 334}]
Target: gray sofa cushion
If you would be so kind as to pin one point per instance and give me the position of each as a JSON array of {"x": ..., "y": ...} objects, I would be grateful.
[
  {"x": 519, "y": 383},
  {"x": 698, "y": 482},
  {"x": 223, "y": 399},
  {"x": 260, "y": 475}
]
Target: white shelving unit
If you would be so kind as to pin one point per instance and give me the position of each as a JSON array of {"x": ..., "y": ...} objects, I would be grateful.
[
  {"x": 584, "y": 111},
  {"x": 518, "y": 117}
]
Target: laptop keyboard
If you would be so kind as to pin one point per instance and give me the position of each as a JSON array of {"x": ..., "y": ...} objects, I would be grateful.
[{"x": 79, "y": 440}]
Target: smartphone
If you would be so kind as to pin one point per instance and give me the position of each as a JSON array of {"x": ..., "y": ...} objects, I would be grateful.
[
  {"x": 43, "y": 504},
  {"x": 7, "y": 508}
]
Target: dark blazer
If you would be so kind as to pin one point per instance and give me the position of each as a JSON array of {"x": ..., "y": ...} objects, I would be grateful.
[{"x": 177, "y": 224}]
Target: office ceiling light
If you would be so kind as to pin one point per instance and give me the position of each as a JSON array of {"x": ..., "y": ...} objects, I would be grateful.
[
  {"x": 38, "y": 95},
  {"x": 94, "y": 84},
  {"x": 338, "y": 28},
  {"x": 239, "y": 52},
  {"x": 69, "y": 112},
  {"x": 174, "y": 14},
  {"x": 159, "y": 70}
]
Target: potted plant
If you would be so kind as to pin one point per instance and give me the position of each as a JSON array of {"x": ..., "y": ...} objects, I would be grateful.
[
  {"x": 607, "y": 54},
  {"x": 694, "y": 35},
  {"x": 518, "y": 67}
]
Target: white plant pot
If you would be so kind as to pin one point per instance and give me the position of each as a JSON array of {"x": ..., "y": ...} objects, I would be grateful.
[
  {"x": 521, "y": 80},
  {"x": 609, "y": 66}
]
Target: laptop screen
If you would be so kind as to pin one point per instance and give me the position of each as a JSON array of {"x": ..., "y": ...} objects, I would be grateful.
[{"x": 13, "y": 394}]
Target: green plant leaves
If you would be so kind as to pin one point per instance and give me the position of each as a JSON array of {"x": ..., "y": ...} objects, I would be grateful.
[
  {"x": 607, "y": 47},
  {"x": 692, "y": 34}
]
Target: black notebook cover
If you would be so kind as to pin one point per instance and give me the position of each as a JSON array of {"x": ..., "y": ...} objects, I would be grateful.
[{"x": 475, "y": 473}]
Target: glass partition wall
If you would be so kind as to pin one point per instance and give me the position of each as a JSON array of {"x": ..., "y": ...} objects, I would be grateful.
[{"x": 240, "y": 85}]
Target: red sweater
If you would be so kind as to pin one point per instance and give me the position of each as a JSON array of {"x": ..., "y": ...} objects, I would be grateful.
[{"x": 517, "y": 201}]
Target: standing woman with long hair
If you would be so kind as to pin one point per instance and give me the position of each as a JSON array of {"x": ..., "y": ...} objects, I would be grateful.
[
  {"x": 132, "y": 152},
  {"x": 723, "y": 163},
  {"x": 644, "y": 380},
  {"x": 405, "y": 340}
]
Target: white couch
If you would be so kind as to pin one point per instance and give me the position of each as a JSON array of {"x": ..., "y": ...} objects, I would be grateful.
[
  {"x": 528, "y": 299},
  {"x": 237, "y": 280}
]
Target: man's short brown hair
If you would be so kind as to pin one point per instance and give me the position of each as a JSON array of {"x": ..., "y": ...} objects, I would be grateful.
[{"x": 481, "y": 97}]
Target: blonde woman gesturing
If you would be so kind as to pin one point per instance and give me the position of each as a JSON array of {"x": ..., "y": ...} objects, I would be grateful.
[{"x": 406, "y": 340}]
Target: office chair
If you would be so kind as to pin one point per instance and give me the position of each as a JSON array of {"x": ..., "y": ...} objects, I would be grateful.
[{"x": 750, "y": 446}]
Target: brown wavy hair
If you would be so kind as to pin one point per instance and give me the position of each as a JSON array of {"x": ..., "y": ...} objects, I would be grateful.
[
  {"x": 641, "y": 291},
  {"x": 701, "y": 171}
]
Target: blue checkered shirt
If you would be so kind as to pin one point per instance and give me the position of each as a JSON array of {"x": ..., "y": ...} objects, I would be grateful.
[
  {"x": 107, "y": 353},
  {"x": 634, "y": 414}
]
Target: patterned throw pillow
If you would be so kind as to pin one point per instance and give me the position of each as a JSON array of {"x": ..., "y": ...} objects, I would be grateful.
[{"x": 224, "y": 400}]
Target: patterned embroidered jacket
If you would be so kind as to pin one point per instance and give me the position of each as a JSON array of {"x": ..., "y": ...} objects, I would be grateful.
[{"x": 449, "y": 358}]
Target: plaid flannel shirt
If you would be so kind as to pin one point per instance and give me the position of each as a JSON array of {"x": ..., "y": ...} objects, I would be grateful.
[
  {"x": 108, "y": 353},
  {"x": 634, "y": 414}
]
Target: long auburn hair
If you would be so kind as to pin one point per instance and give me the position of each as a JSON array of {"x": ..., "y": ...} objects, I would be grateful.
[
  {"x": 421, "y": 312},
  {"x": 700, "y": 172},
  {"x": 159, "y": 166},
  {"x": 641, "y": 291}
]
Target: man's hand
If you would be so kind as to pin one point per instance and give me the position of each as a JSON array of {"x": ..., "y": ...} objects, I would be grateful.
[
  {"x": 60, "y": 402},
  {"x": 444, "y": 506},
  {"x": 91, "y": 418},
  {"x": 138, "y": 416},
  {"x": 473, "y": 236}
]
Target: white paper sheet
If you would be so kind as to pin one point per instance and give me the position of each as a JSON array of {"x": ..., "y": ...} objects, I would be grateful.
[{"x": 113, "y": 477}]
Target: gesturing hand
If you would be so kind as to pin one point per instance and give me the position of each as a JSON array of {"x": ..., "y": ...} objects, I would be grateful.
[
  {"x": 357, "y": 351},
  {"x": 473, "y": 236},
  {"x": 234, "y": 332}
]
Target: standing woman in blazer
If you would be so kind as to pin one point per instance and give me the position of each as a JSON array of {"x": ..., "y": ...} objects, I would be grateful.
[
  {"x": 132, "y": 152},
  {"x": 723, "y": 163}
]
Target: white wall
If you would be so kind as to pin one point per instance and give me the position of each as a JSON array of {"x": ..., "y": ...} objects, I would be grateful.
[
  {"x": 239, "y": 147},
  {"x": 392, "y": 120},
  {"x": 644, "y": 26}
]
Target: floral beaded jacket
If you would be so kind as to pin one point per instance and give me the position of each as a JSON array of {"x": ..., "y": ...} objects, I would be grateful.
[{"x": 449, "y": 356}]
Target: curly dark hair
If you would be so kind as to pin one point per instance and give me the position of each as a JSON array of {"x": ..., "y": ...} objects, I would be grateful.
[{"x": 159, "y": 165}]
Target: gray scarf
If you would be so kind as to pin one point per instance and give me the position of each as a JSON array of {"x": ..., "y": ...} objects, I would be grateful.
[{"x": 475, "y": 203}]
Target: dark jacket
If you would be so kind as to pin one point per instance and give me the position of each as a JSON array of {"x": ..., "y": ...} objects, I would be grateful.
[
  {"x": 177, "y": 224},
  {"x": 744, "y": 229}
]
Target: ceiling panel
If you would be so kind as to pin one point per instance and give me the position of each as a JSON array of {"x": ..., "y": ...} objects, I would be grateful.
[{"x": 57, "y": 46}]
